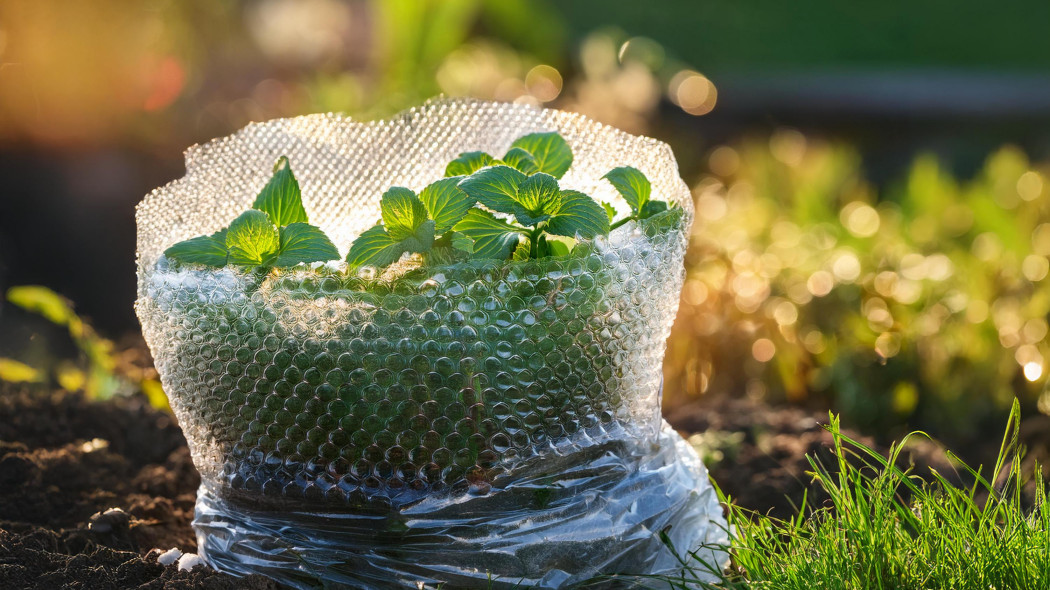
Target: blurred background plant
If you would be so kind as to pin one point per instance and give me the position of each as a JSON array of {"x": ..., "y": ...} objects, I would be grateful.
[
  {"x": 59, "y": 348},
  {"x": 922, "y": 303},
  {"x": 856, "y": 245}
]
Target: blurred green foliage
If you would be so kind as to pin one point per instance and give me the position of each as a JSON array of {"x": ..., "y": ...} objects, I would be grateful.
[
  {"x": 727, "y": 36},
  {"x": 98, "y": 370},
  {"x": 924, "y": 303}
]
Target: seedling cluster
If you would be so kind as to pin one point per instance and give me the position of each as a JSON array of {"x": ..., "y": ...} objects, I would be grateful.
[{"x": 510, "y": 208}]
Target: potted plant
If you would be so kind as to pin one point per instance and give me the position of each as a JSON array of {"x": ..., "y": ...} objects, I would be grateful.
[{"x": 496, "y": 330}]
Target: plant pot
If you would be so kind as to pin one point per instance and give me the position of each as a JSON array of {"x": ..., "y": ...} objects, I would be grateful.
[{"x": 421, "y": 420}]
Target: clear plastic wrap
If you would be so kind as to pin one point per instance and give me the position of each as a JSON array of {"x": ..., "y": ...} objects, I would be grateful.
[{"x": 460, "y": 424}]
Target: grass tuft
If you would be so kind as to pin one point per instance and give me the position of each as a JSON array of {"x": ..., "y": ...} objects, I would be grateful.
[{"x": 889, "y": 528}]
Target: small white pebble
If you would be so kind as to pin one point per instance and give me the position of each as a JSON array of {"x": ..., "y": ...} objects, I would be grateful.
[
  {"x": 169, "y": 557},
  {"x": 190, "y": 561}
]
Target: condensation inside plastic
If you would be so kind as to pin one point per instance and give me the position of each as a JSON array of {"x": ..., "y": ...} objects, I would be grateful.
[{"x": 462, "y": 423}]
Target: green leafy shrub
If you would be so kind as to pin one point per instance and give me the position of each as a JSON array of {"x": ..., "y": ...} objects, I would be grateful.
[{"x": 922, "y": 303}]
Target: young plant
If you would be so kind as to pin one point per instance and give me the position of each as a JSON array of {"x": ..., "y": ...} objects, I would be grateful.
[
  {"x": 421, "y": 224},
  {"x": 635, "y": 188},
  {"x": 275, "y": 232},
  {"x": 543, "y": 212},
  {"x": 529, "y": 154}
]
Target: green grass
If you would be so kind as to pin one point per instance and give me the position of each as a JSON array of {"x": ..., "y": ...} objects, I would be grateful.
[{"x": 890, "y": 528}]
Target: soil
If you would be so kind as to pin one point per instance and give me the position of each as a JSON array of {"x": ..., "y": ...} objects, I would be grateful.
[
  {"x": 762, "y": 451},
  {"x": 65, "y": 462}
]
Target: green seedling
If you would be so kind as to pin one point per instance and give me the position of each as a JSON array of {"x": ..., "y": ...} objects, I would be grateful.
[
  {"x": 505, "y": 209},
  {"x": 485, "y": 208},
  {"x": 275, "y": 232}
]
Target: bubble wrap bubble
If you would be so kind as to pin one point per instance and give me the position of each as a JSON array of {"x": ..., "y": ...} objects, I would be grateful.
[{"x": 475, "y": 397}]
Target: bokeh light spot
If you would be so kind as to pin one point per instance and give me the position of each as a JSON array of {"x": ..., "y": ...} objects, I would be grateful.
[
  {"x": 861, "y": 219},
  {"x": 788, "y": 146},
  {"x": 1035, "y": 267},
  {"x": 846, "y": 267},
  {"x": 763, "y": 350},
  {"x": 544, "y": 82},
  {"x": 1033, "y": 371},
  {"x": 1030, "y": 185},
  {"x": 724, "y": 161},
  {"x": 888, "y": 344},
  {"x": 820, "y": 283},
  {"x": 693, "y": 92}
]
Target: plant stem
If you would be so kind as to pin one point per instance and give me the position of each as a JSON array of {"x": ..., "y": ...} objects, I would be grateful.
[
  {"x": 534, "y": 239},
  {"x": 622, "y": 221}
]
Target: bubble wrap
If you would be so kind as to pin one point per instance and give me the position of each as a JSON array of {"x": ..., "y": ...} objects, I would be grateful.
[{"x": 461, "y": 424}]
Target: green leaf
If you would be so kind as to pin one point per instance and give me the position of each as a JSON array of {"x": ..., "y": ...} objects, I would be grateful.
[
  {"x": 559, "y": 246},
  {"x": 538, "y": 197},
  {"x": 460, "y": 241},
  {"x": 632, "y": 185},
  {"x": 281, "y": 198},
  {"x": 374, "y": 247},
  {"x": 665, "y": 220},
  {"x": 652, "y": 208},
  {"x": 550, "y": 151},
  {"x": 252, "y": 238},
  {"x": 495, "y": 187},
  {"x": 302, "y": 242},
  {"x": 578, "y": 214},
  {"x": 493, "y": 238},
  {"x": 422, "y": 240},
  {"x": 208, "y": 250},
  {"x": 468, "y": 163},
  {"x": 446, "y": 203},
  {"x": 522, "y": 250},
  {"x": 403, "y": 212},
  {"x": 445, "y": 255},
  {"x": 521, "y": 160},
  {"x": 609, "y": 210}
]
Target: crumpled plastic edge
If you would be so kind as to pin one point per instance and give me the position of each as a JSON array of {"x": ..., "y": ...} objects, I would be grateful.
[{"x": 604, "y": 531}]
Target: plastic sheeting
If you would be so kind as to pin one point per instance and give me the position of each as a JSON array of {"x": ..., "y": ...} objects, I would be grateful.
[
  {"x": 559, "y": 524},
  {"x": 474, "y": 424}
]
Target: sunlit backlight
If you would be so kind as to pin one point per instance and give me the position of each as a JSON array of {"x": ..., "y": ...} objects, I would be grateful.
[
  {"x": 763, "y": 350},
  {"x": 693, "y": 92},
  {"x": 1033, "y": 371},
  {"x": 544, "y": 82}
]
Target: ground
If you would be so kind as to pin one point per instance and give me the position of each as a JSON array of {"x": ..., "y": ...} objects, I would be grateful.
[{"x": 64, "y": 461}]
